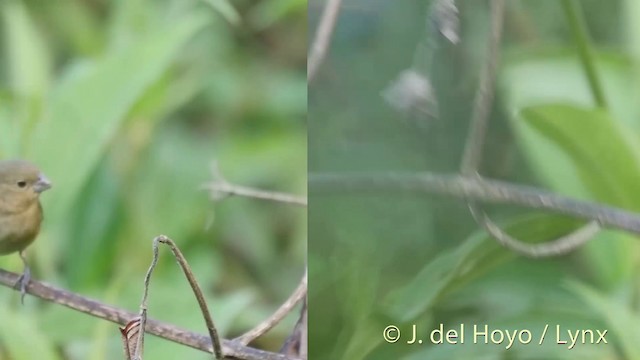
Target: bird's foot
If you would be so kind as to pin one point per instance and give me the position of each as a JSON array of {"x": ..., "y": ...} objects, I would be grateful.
[{"x": 22, "y": 283}]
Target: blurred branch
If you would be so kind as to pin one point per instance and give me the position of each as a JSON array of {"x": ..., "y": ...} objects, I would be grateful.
[
  {"x": 119, "y": 316},
  {"x": 484, "y": 95},
  {"x": 474, "y": 149},
  {"x": 474, "y": 188},
  {"x": 298, "y": 294},
  {"x": 220, "y": 188},
  {"x": 322, "y": 38}
]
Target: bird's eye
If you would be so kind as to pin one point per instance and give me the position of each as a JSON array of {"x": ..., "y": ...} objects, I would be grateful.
[{"x": 22, "y": 183}]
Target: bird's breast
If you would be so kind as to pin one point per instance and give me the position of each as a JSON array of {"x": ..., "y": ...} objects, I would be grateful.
[{"x": 19, "y": 229}]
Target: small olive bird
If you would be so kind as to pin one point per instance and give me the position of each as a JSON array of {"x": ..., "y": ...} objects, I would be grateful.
[{"x": 20, "y": 211}]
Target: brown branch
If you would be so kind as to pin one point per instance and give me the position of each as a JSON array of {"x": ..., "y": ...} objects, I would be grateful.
[
  {"x": 298, "y": 294},
  {"x": 186, "y": 269},
  {"x": 119, "y": 316},
  {"x": 474, "y": 188},
  {"x": 296, "y": 343},
  {"x": 220, "y": 188},
  {"x": 474, "y": 149},
  {"x": 323, "y": 37}
]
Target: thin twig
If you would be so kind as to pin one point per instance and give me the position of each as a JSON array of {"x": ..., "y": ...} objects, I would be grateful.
[
  {"x": 143, "y": 305},
  {"x": 186, "y": 269},
  {"x": 298, "y": 294},
  {"x": 474, "y": 188},
  {"x": 474, "y": 149},
  {"x": 220, "y": 188},
  {"x": 560, "y": 246},
  {"x": 322, "y": 38},
  {"x": 484, "y": 95},
  {"x": 119, "y": 316}
]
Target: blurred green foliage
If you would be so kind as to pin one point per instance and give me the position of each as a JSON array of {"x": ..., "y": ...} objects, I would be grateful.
[
  {"x": 379, "y": 259},
  {"x": 124, "y": 105}
]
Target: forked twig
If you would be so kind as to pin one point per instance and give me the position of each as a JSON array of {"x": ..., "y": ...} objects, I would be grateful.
[
  {"x": 298, "y": 294},
  {"x": 220, "y": 188},
  {"x": 186, "y": 269}
]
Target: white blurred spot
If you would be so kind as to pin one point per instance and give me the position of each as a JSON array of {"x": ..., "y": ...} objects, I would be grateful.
[{"x": 411, "y": 93}]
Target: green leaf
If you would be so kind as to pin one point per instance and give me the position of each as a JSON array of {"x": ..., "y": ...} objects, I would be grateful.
[
  {"x": 22, "y": 339},
  {"x": 267, "y": 13},
  {"x": 226, "y": 10},
  {"x": 621, "y": 322},
  {"x": 365, "y": 338},
  {"x": 555, "y": 75},
  {"x": 605, "y": 152},
  {"x": 29, "y": 68},
  {"x": 28, "y": 57},
  {"x": 477, "y": 255},
  {"x": 93, "y": 103},
  {"x": 605, "y": 155}
]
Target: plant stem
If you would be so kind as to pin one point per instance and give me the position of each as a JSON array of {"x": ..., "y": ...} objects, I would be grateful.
[{"x": 578, "y": 27}]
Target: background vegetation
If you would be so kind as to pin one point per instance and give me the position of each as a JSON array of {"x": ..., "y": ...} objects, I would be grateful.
[
  {"x": 124, "y": 105},
  {"x": 381, "y": 259}
]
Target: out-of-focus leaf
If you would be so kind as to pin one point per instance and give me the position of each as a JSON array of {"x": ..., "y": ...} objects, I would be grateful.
[
  {"x": 604, "y": 151},
  {"x": 366, "y": 336},
  {"x": 29, "y": 67},
  {"x": 556, "y": 75},
  {"x": 266, "y": 13},
  {"x": 618, "y": 317},
  {"x": 23, "y": 340},
  {"x": 605, "y": 154},
  {"x": 421, "y": 292},
  {"x": 28, "y": 57},
  {"x": 479, "y": 254},
  {"x": 9, "y": 145},
  {"x": 93, "y": 104},
  {"x": 226, "y": 9},
  {"x": 178, "y": 165},
  {"x": 95, "y": 215}
]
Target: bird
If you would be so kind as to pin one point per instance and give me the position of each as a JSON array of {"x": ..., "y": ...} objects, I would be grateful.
[{"x": 21, "y": 215}]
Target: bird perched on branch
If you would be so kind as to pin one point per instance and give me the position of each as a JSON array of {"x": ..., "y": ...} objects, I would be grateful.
[{"x": 21, "y": 184}]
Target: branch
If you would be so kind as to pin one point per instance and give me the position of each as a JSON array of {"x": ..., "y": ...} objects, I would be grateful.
[
  {"x": 297, "y": 343},
  {"x": 220, "y": 188},
  {"x": 474, "y": 150},
  {"x": 323, "y": 37},
  {"x": 560, "y": 246},
  {"x": 484, "y": 96},
  {"x": 186, "y": 269},
  {"x": 298, "y": 294},
  {"x": 119, "y": 316},
  {"x": 475, "y": 188}
]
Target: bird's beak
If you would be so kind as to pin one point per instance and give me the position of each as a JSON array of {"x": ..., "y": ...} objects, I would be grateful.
[{"x": 42, "y": 184}]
